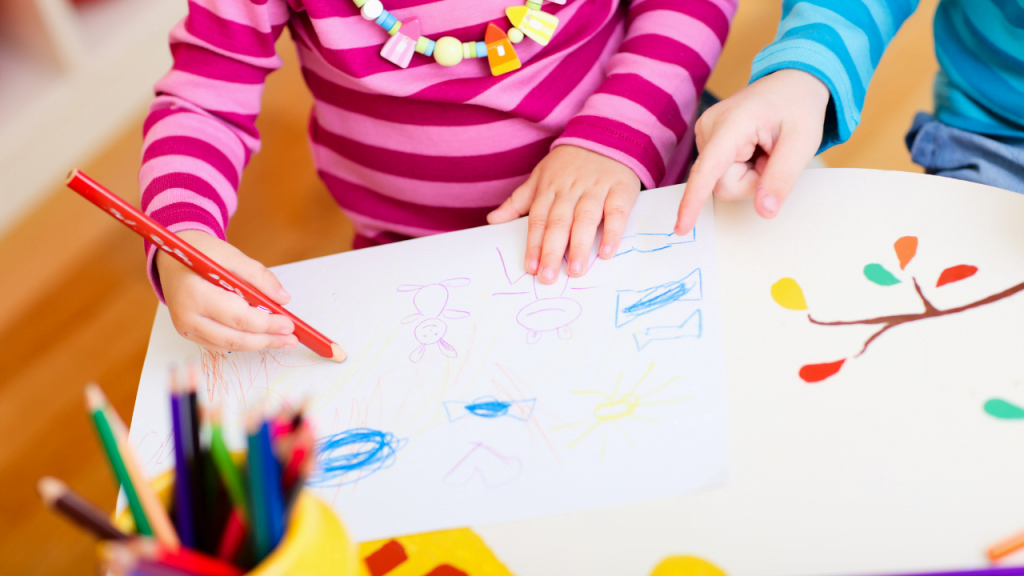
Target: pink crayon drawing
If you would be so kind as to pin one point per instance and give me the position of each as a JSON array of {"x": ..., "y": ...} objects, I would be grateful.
[
  {"x": 399, "y": 48},
  {"x": 431, "y": 303},
  {"x": 546, "y": 313},
  {"x": 492, "y": 468}
]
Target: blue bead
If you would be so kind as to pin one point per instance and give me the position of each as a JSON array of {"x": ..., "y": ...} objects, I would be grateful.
[
  {"x": 481, "y": 50},
  {"x": 383, "y": 16},
  {"x": 430, "y": 49},
  {"x": 389, "y": 21}
]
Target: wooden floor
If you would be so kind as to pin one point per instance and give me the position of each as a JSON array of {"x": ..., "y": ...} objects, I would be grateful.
[{"x": 76, "y": 305}]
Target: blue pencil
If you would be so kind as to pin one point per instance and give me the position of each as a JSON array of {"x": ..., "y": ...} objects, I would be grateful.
[
  {"x": 183, "y": 503},
  {"x": 258, "y": 489},
  {"x": 272, "y": 481}
]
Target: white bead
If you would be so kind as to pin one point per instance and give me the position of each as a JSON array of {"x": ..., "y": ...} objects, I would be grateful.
[{"x": 372, "y": 9}]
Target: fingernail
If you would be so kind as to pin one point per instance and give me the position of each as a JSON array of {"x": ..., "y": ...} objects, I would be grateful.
[
  {"x": 284, "y": 331},
  {"x": 283, "y": 293},
  {"x": 290, "y": 345},
  {"x": 575, "y": 267},
  {"x": 606, "y": 250},
  {"x": 548, "y": 274},
  {"x": 531, "y": 266},
  {"x": 770, "y": 204}
]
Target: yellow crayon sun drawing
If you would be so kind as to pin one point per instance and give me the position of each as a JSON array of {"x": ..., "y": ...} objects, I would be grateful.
[{"x": 611, "y": 408}]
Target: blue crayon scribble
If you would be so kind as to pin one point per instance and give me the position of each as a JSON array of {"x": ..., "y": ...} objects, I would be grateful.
[
  {"x": 490, "y": 407},
  {"x": 692, "y": 327},
  {"x": 647, "y": 242},
  {"x": 632, "y": 304},
  {"x": 350, "y": 456}
]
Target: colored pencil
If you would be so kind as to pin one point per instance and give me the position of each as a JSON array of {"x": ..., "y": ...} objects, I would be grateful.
[
  {"x": 202, "y": 495},
  {"x": 1005, "y": 546},
  {"x": 183, "y": 506},
  {"x": 196, "y": 260},
  {"x": 148, "y": 552},
  {"x": 229, "y": 474},
  {"x": 95, "y": 403},
  {"x": 259, "y": 522},
  {"x": 159, "y": 520},
  {"x": 233, "y": 537},
  {"x": 1009, "y": 571},
  {"x": 57, "y": 496},
  {"x": 272, "y": 477}
]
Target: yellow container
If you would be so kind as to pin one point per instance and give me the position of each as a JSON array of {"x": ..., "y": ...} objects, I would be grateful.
[{"x": 314, "y": 543}]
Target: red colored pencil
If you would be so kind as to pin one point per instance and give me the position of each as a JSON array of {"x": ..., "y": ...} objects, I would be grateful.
[
  {"x": 233, "y": 537},
  {"x": 184, "y": 559},
  {"x": 208, "y": 269}
]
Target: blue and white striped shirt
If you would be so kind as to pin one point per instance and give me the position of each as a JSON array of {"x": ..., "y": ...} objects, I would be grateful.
[{"x": 979, "y": 45}]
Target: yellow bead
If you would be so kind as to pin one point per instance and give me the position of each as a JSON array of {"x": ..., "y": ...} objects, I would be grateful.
[
  {"x": 515, "y": 35},
  {"x": 448, "y": 51},
  {"x": 394, "y": 29},
  {"x": 468, "y": 50},
  {"x": 421, "y": 44}
]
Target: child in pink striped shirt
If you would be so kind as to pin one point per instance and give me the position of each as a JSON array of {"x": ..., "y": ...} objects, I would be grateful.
[{"x": 603, "y": 109}]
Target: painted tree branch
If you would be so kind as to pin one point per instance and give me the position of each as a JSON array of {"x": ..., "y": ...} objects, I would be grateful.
[{"x": 930, "y": 311}]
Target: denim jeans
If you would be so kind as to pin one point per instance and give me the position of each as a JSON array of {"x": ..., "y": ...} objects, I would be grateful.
[{"x": 946, "y": 151}]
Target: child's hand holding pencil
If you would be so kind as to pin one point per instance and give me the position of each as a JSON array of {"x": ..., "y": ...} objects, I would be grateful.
[{"x": 215, "y": 318}]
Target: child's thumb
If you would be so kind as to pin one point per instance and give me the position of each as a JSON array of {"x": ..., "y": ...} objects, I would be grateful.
[
  {"x": 517, "y": 205},
  {"x": 785, "y": 163}
]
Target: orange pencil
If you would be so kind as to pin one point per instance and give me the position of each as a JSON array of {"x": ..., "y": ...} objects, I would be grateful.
[
  {"x": 1006, "y": 546},
  {"x": 183, "y": 252}
]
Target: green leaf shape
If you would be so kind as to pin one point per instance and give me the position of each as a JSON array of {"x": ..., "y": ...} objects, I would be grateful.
[
  {"x": 879, "y": 275},
  {"x": 1004, "y": 410}
]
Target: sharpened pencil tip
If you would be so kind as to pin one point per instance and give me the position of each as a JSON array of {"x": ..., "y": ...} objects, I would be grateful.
[
  {"x": 94, "y": 398},
  {"x": 71, "y": 176},
  {"x": 50, "y": 490},
  {"x": 339, "y": 354}
]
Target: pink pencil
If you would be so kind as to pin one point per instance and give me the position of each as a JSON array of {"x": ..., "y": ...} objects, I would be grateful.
[{"x": 183, "y": 252}]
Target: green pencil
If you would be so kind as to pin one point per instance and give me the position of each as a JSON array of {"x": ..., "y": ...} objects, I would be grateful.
[
  {"x": 228, "y": 471},
  {"x": 95, "y": 402}
]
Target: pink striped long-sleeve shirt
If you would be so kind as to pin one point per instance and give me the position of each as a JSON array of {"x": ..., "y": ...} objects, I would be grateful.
[{"x": 427, "y": 149}]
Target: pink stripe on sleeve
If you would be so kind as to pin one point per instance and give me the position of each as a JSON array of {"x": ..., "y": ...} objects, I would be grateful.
[
  {"x": 228, "y": 35},
  {"x": 244, "y": 13},
  {"x": 176, "y": 195},
  {"x": 197, "y": 168},
  {"x": 699, "y": 37},
  {"x": 205, "y": 128},
  {"x": 213, "y": 95}
]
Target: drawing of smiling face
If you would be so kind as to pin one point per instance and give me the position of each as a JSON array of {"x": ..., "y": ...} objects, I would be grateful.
[{"x": 430, "y": 331}]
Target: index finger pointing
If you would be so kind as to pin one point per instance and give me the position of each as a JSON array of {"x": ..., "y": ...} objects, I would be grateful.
[{"x": 711, "y": 165}]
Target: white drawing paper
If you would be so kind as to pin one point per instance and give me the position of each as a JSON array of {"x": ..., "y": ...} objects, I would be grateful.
[{"x": 473, "y": 394}]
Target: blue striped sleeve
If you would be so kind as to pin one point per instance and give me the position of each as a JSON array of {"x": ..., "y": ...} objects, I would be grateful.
[{"x": 839, "y": 42}]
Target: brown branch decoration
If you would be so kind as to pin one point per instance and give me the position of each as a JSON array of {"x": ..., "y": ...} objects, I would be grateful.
[{"x": 788, "y": 294}]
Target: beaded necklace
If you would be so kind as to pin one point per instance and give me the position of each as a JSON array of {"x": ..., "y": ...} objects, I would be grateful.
[{"x": 527, "y": 20}]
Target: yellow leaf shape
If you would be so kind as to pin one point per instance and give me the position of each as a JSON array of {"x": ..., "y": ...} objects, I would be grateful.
[{"x": 787, "y": 293}]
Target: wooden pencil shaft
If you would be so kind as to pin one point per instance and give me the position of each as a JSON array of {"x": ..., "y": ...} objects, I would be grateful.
[
  {"x": 182, "y": 487},
  {"x": 121, "y": 473},
  {"x": 228, "y": 471},
  {"x": 83, "y": 513},
  {"x": 195, "y": 260},
  {"x": 159, "y": 520}
]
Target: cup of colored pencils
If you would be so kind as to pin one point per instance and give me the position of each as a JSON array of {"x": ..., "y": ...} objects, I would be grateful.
[{"x": 217, "y": 513}]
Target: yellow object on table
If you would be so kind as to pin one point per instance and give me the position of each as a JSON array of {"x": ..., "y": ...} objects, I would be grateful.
[{"x": 315, "y": 542}]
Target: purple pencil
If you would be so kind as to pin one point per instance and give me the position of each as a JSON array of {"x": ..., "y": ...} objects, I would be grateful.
[
  {"x": 1005, "y": 571},
  {"x": 182, "y": 482}
]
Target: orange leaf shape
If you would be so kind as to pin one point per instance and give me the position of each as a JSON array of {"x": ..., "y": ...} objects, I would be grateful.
[
  {"x": 817, "y": 372},
  {"x": 956, "y": 274},
  {"x": 906, "y": 248}
]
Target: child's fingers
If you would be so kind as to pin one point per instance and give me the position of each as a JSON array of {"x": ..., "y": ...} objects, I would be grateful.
[
  {"x": 738, "y": 183},
  {"x": 230, "y": 310},
  {"x": 617, "y": 207},
  {"x": 585, "y": 220},
  {"x": 535, "y": 227},
  {"x": 262, "y": 279},
  {"x": 228, "y": 338},
  {"x": 785, "y": 163},
  {"x": 716, "y": 157},
  {"x": 556, "y": 236},
  {"x": 517, "y": 205}
]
